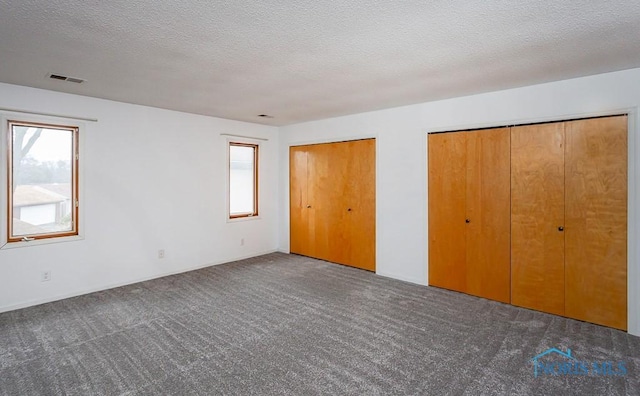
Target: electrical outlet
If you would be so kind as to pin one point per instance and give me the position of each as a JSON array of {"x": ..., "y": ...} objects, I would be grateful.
[
  {"x": 241, "y": 241},
  {"x": 161, "y": 253},
  {"x": 45, "y": 276}
]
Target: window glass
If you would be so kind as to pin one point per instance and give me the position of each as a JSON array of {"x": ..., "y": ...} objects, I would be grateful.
[
  {"x": 42, "y": 181},
  {"x": 243, "y": 180}
]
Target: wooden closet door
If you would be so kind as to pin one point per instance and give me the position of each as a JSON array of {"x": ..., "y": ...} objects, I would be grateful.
[
  {"x": 537, "y": 212},
  {"x": 298, "y": 201},
  {"x": 352, "y": 213},
  {"x": 360, "y": 208},
  {"x": 337, "y": 199},
  {"x": 332, "y": 202},
  {"x": 320, "y": 179},
  {"x": 447, "y": 210},
  {"x": 596, "y": 221},
  {"x": 488, "y": 230}
]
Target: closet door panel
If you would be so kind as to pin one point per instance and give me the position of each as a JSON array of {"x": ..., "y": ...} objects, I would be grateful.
[
  {"x": 299, "y": 219},
  {"x": 447, "y": 210},
  {"x": 319, "y": 177},
  {"x": 596, "y": 225},
  {"x": 337, "y": 198},
  {"x": 537, "y": 212},
  {"x": 361, "y": 206},
  {"x": 488, "y": 230}
]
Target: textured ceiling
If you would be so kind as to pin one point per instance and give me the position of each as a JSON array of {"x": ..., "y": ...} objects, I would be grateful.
[{"x": 305, "y": 60}]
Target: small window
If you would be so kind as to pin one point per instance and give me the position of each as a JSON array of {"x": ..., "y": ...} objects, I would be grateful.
[
  {"x": 243, "y": 180},
  {"x": 43, "y": 181}
]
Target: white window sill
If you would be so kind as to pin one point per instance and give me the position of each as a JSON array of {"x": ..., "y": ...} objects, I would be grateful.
[
  {"x": 39, "y": 242},
  {"x": 246, "y": 218}
]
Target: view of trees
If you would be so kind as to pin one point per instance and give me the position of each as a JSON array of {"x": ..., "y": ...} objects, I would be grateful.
[
  {"x": 28, "y": 170},
  {"x": 32, "y": 171},
  {"x": 20, "y": 151}
]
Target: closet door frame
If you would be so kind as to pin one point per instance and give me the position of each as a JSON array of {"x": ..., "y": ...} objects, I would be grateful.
[{"x": 633, "y": 192}]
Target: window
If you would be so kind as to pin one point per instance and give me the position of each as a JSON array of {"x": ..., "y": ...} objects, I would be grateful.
[
  {"x": 43, "y": 181},
  {"x": 243, "y": 180}
]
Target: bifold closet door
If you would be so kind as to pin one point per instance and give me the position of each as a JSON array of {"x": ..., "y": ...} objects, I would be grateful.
[
  {"x": 300, "y": 240},
  {"x": 309, "y": 211},
  {"x": 326, "y": 180},
  {"x": 447, "y": 210},
  {"x": 359, "y": 203},
  {"x": 337, "y": 197},
  {"x": 332, "y": 202},
  {"x": 469, "y": 212},
  {"x": 537, "y": 217},
  {"x": 348, "y": 196},
  {"x": 487, "y": 219},
  {"x": 534, "y": 215},
  {"x": 596, "y": 221},
  {"x": 569, "y": 219}
]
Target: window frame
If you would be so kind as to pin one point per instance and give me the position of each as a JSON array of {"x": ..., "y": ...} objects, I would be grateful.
[
  {"x": 9, "y": 240},
  {"x": 256, "y": 183}
]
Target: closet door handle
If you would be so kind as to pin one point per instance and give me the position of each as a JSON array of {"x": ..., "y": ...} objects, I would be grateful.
[
  {"x": 561, "y": 228},
  {"x": 308, "y": 206},
  {"x": 349, "y": 210},
  {"x": 467, "y": 221}
]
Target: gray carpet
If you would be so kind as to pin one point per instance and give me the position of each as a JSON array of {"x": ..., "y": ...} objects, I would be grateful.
[{"x": 289, "y": 325}]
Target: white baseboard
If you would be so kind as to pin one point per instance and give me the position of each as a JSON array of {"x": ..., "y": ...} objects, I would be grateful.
[
  {"x": 63, "y": 296},
  {"x": 416, "y": 281}
]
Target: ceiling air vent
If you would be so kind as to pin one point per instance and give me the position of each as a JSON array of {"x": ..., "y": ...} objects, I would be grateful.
[{"x": 65, "y": 78}]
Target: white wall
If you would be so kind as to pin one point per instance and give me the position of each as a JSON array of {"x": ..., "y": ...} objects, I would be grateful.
[
  {"x": 401, "y": 158},
  {"x": 153, "y": 179}
]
